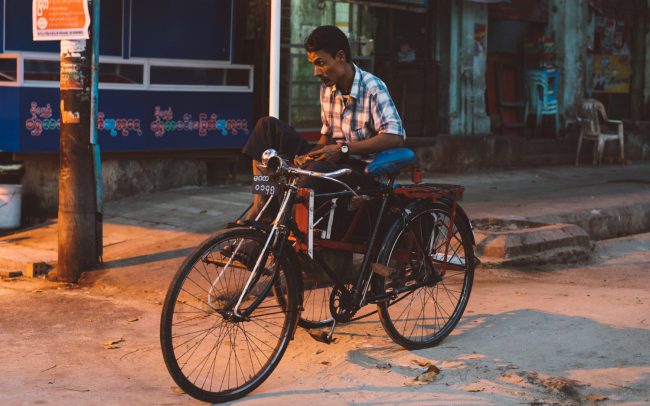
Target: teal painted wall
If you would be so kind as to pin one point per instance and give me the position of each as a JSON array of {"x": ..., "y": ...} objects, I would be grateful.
[
  {"x": 462, "y": 65},
  {"x": 569, "y": 20}
]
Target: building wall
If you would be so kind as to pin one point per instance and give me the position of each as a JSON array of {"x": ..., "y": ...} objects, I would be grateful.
[
  {"x": 573, "y": 27},
  {"x": 122, "y": 177},
  {"x": 462, "y": 65},
  {"x": 646, "y": 90}
]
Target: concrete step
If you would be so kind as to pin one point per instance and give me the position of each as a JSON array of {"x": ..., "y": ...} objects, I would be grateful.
[
  {"x": 606, "y": 222},
  {"x": 550, "y": 146},
  {"x": 501, "y": 242},
  {"x": 550, "y": 159}
]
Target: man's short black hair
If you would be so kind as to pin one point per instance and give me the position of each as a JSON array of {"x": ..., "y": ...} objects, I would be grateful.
[{"x": 329, "y": 39}]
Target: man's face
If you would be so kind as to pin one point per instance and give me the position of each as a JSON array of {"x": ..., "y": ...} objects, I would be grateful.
[{"x": 327, "y": 68}]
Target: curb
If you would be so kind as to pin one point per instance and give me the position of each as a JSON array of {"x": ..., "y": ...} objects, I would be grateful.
[
  {"x": 557, "y": 238},
  {"x": 501, "y": 242},
  {"x": 606, "y": 223}
]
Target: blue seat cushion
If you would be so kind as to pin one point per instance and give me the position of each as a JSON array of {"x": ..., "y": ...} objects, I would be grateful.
[{"x": 390, "y": 161}]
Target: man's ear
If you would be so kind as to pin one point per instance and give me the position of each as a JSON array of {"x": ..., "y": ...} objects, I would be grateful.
[{"x": 340, "y": 56}]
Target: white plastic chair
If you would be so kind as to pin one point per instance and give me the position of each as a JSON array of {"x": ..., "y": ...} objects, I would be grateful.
[{"x": 590, "y": 129}]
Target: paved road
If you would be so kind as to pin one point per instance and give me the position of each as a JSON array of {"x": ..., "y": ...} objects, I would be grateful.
[{"x": 589, "y": 323}]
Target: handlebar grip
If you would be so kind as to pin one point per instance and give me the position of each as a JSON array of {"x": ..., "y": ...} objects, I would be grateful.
[
  {"x": 340, "y": 172},
  {"x": 334, "y": 174}
]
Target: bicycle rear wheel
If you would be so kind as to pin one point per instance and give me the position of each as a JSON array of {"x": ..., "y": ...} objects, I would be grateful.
[
  {"x": 422, "y": 311},
  {"x": 211, "y": 353}
]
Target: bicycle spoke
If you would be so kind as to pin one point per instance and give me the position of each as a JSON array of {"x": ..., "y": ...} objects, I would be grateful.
[
  {"x": 211, "y": 349},
  {"x": 433, "y": 309}
]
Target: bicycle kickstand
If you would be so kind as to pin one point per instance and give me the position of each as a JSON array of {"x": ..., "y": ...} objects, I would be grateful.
[
  {"x": 331, "y": 333},
  {"x": 322, "y": 336}
]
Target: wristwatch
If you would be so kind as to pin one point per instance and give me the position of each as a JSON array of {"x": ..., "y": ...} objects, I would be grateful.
[{"x": 345, "y": 149}]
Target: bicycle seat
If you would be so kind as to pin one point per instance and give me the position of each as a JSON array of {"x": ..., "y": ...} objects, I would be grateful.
[{"x": 390, "y": 161}]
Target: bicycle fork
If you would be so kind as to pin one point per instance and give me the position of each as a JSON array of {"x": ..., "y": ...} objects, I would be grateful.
[{"x": 259, "y": 266}]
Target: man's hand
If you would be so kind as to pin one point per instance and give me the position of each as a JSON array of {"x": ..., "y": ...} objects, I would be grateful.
[
  {"x": 301, "y": 160},
  {"x": 329, "y": 153}
]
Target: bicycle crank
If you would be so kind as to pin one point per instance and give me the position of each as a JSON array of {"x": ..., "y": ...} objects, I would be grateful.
[{"x": 342, "y": 306}]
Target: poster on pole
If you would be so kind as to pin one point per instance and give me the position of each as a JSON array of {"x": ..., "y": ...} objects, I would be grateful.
[{"x": 55, "y": 20}]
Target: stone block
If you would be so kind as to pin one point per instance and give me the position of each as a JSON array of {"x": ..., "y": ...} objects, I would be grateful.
[
  {"x": 10, "y": 274},
  {"x": 36, "y": 269}
]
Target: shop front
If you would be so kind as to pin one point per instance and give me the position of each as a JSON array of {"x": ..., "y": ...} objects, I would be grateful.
[
  {"x": 392, "y": 39},
  {"x": 617, "y": 56},
  {"x": 519, "y": 47},
  {"x": 167, "y": 80},
  {"x": 175, "y": 101},
  {"x": 544, "y": 56}
]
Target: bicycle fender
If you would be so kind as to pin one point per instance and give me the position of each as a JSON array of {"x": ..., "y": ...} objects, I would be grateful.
[
  {"x": 447, "y": 202},
  {"x": 293, "y": 260},
  {"x": 461, "y": 212}
]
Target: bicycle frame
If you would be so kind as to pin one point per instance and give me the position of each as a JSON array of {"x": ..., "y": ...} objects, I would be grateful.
[{"x": 283, "y": 226}]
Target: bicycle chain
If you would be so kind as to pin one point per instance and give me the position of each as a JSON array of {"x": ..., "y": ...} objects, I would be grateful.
[{"x": 341, "y": 308}]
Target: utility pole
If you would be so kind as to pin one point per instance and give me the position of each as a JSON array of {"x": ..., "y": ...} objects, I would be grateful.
[
  {"x": 94, "y": 141},
  {"x": 77, "y": 228}
]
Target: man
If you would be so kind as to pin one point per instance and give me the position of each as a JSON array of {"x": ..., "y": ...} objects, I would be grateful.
[{"x": 358, "y": 115}]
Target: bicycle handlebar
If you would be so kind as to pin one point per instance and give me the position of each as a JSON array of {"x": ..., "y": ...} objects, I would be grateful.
[{"x": 272, "y": 161}]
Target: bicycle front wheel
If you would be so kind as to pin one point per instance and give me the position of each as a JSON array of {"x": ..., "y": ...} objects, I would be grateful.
[
  {"x": 214, "y": 353},
  {"x": 316, "y": 305},
  {"x": 422, "y": 310}
]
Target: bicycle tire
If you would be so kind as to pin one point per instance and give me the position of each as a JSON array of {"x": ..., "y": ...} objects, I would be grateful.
[
  {"x": 436, "y": 307},
  {"x": 232, "y": 357}
]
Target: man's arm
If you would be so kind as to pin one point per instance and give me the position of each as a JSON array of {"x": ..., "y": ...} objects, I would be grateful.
[
  {"x": 322, "y": 141},
  {"x": 378, "y": 143}
]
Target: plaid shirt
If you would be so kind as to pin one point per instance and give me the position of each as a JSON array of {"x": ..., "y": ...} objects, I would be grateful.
[{"x": 366, "y": 112}]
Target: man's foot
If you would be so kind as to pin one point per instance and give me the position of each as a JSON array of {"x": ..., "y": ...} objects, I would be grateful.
[
  {"x": 258, "y": 204},
  {"x": 246, "y": 254}
]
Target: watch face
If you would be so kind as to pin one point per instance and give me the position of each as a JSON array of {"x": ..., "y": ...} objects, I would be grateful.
[{"x": 345, "y": 148}]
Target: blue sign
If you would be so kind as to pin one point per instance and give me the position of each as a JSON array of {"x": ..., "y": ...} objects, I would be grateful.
[{"x": 130, "y": 120}]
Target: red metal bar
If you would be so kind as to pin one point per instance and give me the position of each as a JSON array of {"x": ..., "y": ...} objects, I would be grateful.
[{"x": 450, "y": 233}]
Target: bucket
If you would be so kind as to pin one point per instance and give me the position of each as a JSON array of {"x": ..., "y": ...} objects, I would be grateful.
[{"x": 10, "y": 200}]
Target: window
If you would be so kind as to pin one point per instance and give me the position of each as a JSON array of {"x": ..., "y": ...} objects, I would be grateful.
[
  {"x": 8, "y": 69},
  {"x": 172, "y": 75},
  {"x": 116, "y": 73},
  {"x": 121, "y": 73},
  {"x": 200, "y": 30},
  {"x": 42, "y": 70}
]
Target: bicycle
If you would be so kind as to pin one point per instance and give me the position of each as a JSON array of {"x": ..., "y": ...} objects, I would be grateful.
[{"x": 236, "y": 301}]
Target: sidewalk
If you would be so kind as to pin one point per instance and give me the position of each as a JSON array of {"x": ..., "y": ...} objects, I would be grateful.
[{"x": 147, "y": 236}]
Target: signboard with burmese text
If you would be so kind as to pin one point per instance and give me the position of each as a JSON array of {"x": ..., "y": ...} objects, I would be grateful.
[
  {"x": 130, "y": 120},
  {"x": 56, "y": 20}
]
